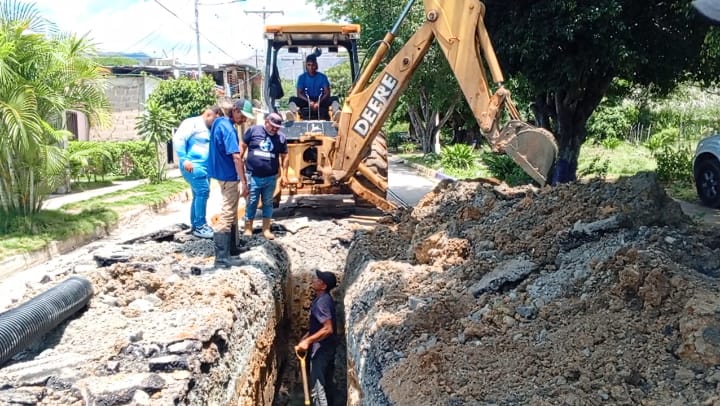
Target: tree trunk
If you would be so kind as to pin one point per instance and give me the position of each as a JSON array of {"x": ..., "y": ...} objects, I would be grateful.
[
  {"x": 426, "y": 121},
  {"x": 566, "y": 111}
]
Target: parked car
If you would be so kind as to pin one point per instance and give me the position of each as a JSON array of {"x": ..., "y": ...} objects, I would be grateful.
[{"x": 706, "y": 170}]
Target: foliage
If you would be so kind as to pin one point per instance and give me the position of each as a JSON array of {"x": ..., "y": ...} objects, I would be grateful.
[
  {"x": 116, "y": 61},
  {"x": 597, "y": 168},
  {"x": 156, "y": 125},
  {"x": 431, "y": 159},
  {"x": 149, "y": 194},
  {"x": 504, "y": 168},
  {"x": 340, "y": 80},
  {"x": 27, "y": 233},
  {"x": 184, "y": 97},
  {"x": 612, "y": 121},
  {"x": 408, "y": 147},
  {"x": 41, "y": 77},
  {"x": 90, "y": 160},
  {"x": 662, "y": 139},
  {"x": 674, "y": 164},
  {"x": 127, "y": 159},
  {"x": 457, "y": 156}
]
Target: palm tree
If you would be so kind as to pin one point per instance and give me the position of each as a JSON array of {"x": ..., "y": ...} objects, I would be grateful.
[
  {"x": 42, "y": 75},
  {"x": 155, "y": 125}
]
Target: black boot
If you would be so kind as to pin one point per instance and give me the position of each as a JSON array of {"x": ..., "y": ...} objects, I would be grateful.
[
  {"x": 222, "y": 251},
  {"x": 235, "y": 248}
]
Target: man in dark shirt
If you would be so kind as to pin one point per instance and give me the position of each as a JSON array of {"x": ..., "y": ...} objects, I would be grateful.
[
  {"x": 321, "y": 339},
  {"x": 267, "y": 151}
]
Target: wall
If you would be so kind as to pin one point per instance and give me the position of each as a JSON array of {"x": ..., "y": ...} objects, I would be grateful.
[{"x": 127, "y": 95}]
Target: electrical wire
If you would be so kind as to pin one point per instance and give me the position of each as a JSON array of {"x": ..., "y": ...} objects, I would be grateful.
[{"x": 201, "y": 34}]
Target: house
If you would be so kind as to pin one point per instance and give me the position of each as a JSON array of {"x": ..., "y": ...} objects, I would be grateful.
[{"x": 128, "y": 88}]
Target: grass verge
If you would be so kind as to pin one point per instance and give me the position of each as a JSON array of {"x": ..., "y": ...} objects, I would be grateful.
[{"x": 30, "y": 234}]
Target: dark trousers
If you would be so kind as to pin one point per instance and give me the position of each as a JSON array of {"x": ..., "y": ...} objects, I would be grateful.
[
  {"x": 322, "y": 369},
  {"x": 323, "y": 112}
]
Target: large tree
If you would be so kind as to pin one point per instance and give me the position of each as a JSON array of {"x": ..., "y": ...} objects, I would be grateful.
[
  {"x": 568, "y": 52},
  {"x": 42, "y": 75}
]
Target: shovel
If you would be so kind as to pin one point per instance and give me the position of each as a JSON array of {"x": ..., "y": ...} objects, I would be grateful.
[{"x": 301, "y": 356}]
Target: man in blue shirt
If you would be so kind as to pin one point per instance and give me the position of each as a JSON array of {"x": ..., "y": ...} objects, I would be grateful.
[
  {"x": 321, "y": 339},
  {"x": 191, "y": 142},
  {"x": 227, "y": 167},
  {"x": 267, "y": 151},
  {"x": 313, "y": 93}
]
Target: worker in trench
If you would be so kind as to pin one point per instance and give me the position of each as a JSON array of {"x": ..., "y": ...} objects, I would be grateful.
[{"x": 321, "y": 339}]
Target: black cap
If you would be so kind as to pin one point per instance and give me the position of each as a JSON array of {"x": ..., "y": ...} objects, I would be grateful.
[
  {"x": 275, "y": 120},
  {"x": 327, "y": 277}
]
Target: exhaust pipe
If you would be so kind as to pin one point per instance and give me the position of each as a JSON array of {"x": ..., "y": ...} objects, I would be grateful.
[{"x": 21, "y": 325}]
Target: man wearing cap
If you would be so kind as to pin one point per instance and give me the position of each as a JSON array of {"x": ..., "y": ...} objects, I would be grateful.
[
  {"x": 267, "y": 150},
  {"x": 321, "y": 339},
  {"x": 225, "y": 164},
  {"x": 313, "y": 91}
]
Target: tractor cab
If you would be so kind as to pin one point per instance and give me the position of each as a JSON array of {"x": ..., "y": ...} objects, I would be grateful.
[{"x": 290, "y": 50}]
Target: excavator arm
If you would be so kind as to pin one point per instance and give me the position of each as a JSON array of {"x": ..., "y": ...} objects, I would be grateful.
[{"x": 458, "y": 27}]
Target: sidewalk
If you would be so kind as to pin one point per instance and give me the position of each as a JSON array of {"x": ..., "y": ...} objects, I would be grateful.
[
  {"x": 16, "y": 263},
  {"x": 54, "y": 202}
]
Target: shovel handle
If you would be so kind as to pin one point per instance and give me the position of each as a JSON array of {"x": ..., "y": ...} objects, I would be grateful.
[{"x": 301, "y": 356}]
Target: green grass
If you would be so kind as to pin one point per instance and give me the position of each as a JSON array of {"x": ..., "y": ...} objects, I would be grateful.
[
  {"x": 148, "y": 194},
  {"x": 29, "y": 234},
  {"x": 23, "y": 234},
  {"x": 625, "y": 160}
]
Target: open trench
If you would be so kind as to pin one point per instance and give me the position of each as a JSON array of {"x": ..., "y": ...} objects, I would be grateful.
[{"x": 175, "y": 331}]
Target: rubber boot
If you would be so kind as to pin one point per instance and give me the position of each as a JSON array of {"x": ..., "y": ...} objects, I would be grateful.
[
  {"x": 248, "y": 231},
  {"x": 266, "y": 230},
  {"x": 232, "y": 242},
  {"x": 222, "y": 251}
]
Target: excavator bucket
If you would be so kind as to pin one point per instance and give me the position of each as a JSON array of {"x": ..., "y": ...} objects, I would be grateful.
[{"x": 533, "y": 148}]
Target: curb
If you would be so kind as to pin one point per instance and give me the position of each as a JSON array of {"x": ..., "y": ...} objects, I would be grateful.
[
  {"x": 427, "y": 172},
  {"x": 21, "y": 262}
]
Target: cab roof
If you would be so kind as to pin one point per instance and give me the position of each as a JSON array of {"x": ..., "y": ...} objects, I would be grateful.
[{"x": 312, "y": 33}]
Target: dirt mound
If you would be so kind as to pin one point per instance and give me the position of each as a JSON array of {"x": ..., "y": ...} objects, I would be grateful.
[{"x": 577, "y": 294}]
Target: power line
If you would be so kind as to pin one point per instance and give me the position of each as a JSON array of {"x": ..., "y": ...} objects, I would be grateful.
[{"x": 201, "y": 34}]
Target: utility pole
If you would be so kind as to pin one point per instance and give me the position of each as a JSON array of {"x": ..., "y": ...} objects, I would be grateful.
[
  {"x": 263, "y": 12},
  {"x": 197, "y": 40}
]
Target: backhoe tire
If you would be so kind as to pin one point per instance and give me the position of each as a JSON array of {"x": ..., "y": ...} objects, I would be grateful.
[{"x": 377, "y": 161}]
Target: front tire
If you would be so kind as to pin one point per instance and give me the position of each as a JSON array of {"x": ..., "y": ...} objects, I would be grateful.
[{"x": 707, "y": 182}]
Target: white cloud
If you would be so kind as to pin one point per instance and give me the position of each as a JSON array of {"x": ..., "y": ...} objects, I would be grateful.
[{"x": 227, "y": 32}]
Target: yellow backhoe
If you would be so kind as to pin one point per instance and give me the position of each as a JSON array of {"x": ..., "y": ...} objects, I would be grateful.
[{"x": 349, "y": 153}]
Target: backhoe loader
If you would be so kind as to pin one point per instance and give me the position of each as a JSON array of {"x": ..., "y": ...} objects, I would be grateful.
[{"x": 349, "y": 154}]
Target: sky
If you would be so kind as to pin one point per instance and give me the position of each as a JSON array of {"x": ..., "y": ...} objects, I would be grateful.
[{"x": 227, "y": 33}]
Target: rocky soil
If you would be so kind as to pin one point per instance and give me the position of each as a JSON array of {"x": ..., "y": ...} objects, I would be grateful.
[
  {"x": 580, "y": 294},
  {"x": 593, "y": 293}
]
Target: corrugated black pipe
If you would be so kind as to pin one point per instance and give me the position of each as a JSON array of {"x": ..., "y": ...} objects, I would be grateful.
[{"x": 21, "y": 325}]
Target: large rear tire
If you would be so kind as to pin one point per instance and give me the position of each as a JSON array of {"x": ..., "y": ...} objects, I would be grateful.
[{"x": 377, "y": 162}]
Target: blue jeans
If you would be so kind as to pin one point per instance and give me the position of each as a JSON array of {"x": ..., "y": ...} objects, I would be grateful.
[
  {"x": 260, "y": 188},
  {"x": 200, "y": 186}
]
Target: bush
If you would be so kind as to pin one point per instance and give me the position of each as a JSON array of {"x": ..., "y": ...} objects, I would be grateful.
[
  {"x": 408, "y": 147},
  {"x": 595, "y": 168},
  {"x": 395, "y": 139},
  {"x": 612, "y": 122},
  {"x": 505, "y": 169},
  {"x": 132, "y": 159},
  {"x": 457, "y": 156},
  {"x": 91, "y": 160},
  {"x": 662, "y": 139},
  {"x": 430, "y": 159},
  {"x": 674, "y": 164}
]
